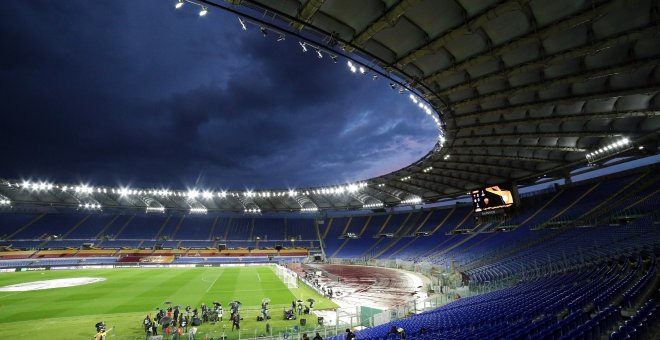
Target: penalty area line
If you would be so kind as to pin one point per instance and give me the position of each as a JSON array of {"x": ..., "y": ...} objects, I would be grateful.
[{"x": 213, "y": 283}]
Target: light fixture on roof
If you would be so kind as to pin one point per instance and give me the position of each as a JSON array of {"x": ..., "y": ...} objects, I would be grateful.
[
  {"x": 363, "y": 70},
  {"x": 374, "y": 77},
  {"x": 203, "y": 11},
  {"x": 318, "y": 53},
  {"x": 281, "y": 37},
  {"x": 392, "y": 86},
  {"x": 192, "y": 194},
  {"x": 373, "y": 205},
  {"x": 89, "y": 206},
  {"x": 609, "y": 150},
  {"x": 242, "y": 24},
  {"x": 198, "y": 210},
  {"x": 155, "y": 209},
  {"x": 351, "y": 66},
  {"x": 303, "y": 45},
  {"x": 446, "y": 157},
  {"x": 263, "y": 31},
  {"x": 334, "y": 58},
  {"x": 252, "y": 210},
  {"x": 413, "y": 200},
  {"x": 179, "y": 4}
]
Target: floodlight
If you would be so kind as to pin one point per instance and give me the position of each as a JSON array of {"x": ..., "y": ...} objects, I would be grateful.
[
  {"x": 281, "y": 37},
  {"x": 263, "y": 31},
  {"x": 318, "y": 53},
  {"x": 302, "y": 44},
  {"x": 363, "y": 70},
  {"x": 203, "y": 11},
  {"x": 334, "y": 58},
  {"x": 192, "y": 194},
  {"x": 242, "y": 24},
  {"x": 179, "y": 4}
]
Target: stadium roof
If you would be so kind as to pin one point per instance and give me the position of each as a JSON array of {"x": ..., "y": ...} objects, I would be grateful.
[{"x": 523, "y": 89}]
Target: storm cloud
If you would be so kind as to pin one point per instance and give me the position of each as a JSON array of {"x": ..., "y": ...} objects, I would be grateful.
[{"x": 138, "y": 93}]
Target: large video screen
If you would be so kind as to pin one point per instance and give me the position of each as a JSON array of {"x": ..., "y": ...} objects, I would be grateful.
[{"x": 493, "y": 197}]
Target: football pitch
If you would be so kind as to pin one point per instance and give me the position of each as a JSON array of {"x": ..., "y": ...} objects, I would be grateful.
[{"x": 125, "y": 297}]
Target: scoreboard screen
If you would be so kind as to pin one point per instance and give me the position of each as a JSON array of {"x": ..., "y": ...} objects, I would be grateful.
[{"x": 493, "y": 197}]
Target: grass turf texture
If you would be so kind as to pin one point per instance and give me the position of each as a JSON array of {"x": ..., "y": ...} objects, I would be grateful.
[{"x": 127, "y": 295}]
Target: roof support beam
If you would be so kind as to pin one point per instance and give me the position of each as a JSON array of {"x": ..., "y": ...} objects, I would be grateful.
[
  {"x": 507, "y": 157},
  {"x": 388, "y": 19},
  {"x": 563, "y": 118},
  {"x": 537, "y": 64},
  {"x": 586, "y": 16},
  {"x": 571, "y": 79},
  {"x": 307, "y": 12},
  {"x": 501, "y": 147},
  {"x": 453, "y": 178},
  {"x": 441, "y": 169},
  {"x": 435, "y": 181},
  {"x": 480, "y": 164},
  {"x": 444, "y": 181},
  {"x": 467, "y": 28},
  {"x": 558, "y": 134},
  {"x": 415, "y": 188},
  {"x": 563, "y": 100}
]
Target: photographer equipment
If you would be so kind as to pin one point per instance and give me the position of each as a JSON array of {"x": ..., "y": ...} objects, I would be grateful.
[
  {"x": 303, "y": 322},
  {"x": 196, "y": 321},
  {"x": 289, "y": 315}
]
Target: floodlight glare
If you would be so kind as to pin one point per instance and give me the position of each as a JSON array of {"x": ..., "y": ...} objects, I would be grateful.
[
  {"x": 242, "y": 24},
  {"x": 203, "y": 11},
  {"x": 179, "y": 4},
  {"x": 192, "y": 194}
]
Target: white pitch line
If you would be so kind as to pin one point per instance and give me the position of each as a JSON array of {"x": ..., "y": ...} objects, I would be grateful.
[
  {"x": 258, "y": 277},
  {"x": 213, "y": 283}
]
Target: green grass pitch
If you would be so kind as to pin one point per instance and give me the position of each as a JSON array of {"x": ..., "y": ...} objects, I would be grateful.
[{"x": 127, "y": 295}]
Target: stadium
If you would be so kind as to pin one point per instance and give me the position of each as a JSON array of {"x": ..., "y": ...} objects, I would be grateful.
[{"x": 532, "y": 214}]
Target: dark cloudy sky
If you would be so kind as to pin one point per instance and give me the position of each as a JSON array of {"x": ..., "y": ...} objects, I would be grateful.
[{"x": 137, "y": 93}]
